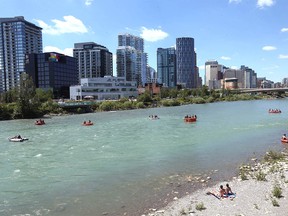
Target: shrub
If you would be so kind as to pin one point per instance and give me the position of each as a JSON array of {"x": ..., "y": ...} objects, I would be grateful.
[
  {"x": 277, "y": 191},
  {"x": 140, "y": 105},
  {"x": 200, "y": 206},
  {"x": 260, "y": 176},
  {"x": 244, "y": 171},
  {"x": 273, "y": 156},
  {"x": 127, "y": 105},
  {"x": 275, "y": 203}
]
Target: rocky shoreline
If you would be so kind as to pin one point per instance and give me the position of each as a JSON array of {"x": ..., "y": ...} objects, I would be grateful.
[{"x": 261, "y": 189}]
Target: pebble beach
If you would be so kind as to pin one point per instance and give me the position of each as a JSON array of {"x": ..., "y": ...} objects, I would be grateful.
[{"x": 261, "y": 189}]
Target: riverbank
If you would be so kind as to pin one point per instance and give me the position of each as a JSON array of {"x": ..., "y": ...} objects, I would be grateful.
[{"x": 261, "y": 189}]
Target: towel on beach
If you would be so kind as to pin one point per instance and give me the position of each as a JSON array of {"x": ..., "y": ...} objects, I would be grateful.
[{"x": 230, "y": 195}]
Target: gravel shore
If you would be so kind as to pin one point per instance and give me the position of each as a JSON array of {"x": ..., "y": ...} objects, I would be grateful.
[{"x": 261, "y": 189}]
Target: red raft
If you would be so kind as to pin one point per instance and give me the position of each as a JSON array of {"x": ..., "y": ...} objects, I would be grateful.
[
  {"x": 190, "y": 119},
  {"x": 87, "y": 123},
  {"x": 274, "y": 111},
  {"x": 39, "y": 122}
]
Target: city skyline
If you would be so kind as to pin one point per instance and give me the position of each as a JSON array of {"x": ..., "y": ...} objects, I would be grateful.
[{"x": 233, "y": 32}]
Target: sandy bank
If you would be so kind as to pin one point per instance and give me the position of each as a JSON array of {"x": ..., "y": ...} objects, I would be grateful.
[{"x": 254, "y": 196}]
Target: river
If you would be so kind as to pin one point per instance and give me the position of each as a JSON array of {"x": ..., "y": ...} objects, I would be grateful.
[{"x": 126, "y": 162}]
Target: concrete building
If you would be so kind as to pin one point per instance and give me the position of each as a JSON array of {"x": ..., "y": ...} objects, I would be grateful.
[
  {"x": 93, "y": 60},
  {"x": 235, "y": 73},
  {"x": 53, "y": 71},
  {"x": 285, "y": 82},
  {"x": 230, "y": 83},
  {"x": 186, "y": 63},
  {"x": 166, "y": 67},
  {"x": 213, "y": 74},
  {"x": 18, "y": 37},
  {"x": 250, "y": 77},
  {"x": 104, "y": 88},
  {"x": 131, "y": 60}
]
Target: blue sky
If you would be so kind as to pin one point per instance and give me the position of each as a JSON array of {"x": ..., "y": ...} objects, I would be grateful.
[{"x": 233, "y": 32}]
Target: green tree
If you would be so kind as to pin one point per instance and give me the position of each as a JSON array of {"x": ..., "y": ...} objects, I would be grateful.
[
  {"x": 9, "y": 96},
  {"x": 27, "y": 105},
  {"x": 145, "y": 98}
]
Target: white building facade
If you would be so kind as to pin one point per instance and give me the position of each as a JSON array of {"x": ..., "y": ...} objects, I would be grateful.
[
  {"x": 104, "y": 88},
  {"x": 213, "y": 74}
]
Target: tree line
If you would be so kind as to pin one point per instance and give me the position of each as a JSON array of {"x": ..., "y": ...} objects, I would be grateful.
[{"x": 27, "y": 101}]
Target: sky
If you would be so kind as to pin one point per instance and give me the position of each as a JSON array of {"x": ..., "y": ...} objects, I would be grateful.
[{"x": 253, "y": 33}]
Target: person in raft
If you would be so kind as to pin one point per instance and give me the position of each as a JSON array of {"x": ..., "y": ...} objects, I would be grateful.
[{"x": 284, "y": 137}]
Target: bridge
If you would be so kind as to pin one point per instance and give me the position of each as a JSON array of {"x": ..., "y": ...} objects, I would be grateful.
[{"x": 263, "y": 90}]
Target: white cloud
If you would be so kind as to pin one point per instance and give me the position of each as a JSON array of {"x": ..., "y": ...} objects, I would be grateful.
[
  {"x": 235, "y": 1},
  {"x": 283, "y": 56},
  {"x": 69, "y": 25},
  {"x": 265, "y": 3},
  {"x": 88, "y": 2},
  {"x": 269, "y": 48},
  {"x": 66, "y": 51},
  {"x": 234, "y": 67},
  {"x": 153, "y": 34},
  {"x": 225, "y": 58},
  {"x": 284, "y": 30}
]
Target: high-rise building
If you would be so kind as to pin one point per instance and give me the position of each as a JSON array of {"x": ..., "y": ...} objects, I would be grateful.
[
  {"x": 186, "y": 63},
  {"x": 93, "y": 60},
  {"x": 53, "y": 71},
  {"x": 250, "y": 77},
  {"x": 131, "y": 60},
  {"x": 285, "y": 82},
  {"x": 213, "y": 74},
  {"x": 166, "y": 66},
  {"x": 18, "y": 37},
  {"x": 128, "y": 40}
]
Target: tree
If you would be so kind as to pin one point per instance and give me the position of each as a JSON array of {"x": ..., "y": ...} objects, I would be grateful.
[
  {"x": 27, "y": 104},
  {"x": 145, "y": 98}
]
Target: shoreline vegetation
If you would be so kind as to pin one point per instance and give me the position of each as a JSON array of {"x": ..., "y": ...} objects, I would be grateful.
[
  {"x": 27, "y": 102},
  {"x": 261, "y": 188}
]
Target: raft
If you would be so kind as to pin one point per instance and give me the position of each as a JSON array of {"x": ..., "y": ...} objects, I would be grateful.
[{"x": 190, "y": 119}]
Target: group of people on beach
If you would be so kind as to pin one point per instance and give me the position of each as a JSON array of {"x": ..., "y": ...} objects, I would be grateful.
[{"x": 223, "y": 192}]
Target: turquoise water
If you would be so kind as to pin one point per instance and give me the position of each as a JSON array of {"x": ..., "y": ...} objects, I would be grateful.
[{"x": 125, "y": 159}]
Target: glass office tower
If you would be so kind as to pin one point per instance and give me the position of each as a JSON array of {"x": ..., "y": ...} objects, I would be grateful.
[
  {"x": 17, "y": 38},
  {"x": 186, "y": 62},
  {"x": 166, "y": 66}
]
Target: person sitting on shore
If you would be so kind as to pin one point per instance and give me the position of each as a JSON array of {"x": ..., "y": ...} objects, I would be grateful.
[
  {"x": 221, "y": 194},
  {"x": 228, "y": 190}
]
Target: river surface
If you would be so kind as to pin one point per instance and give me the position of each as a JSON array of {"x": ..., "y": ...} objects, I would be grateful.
[{"x": 124, "y": 161}]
